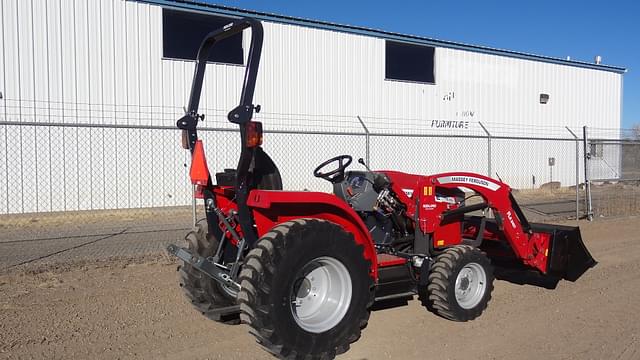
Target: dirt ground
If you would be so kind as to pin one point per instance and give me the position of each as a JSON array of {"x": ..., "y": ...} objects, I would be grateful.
[{"x": 135, "y": 310}]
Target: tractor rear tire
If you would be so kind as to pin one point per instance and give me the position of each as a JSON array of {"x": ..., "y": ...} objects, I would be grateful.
[
  {"x": 205, "y": 294},
  {"x": 306, "y": 290},
  {"x": 460, "y": 283}
]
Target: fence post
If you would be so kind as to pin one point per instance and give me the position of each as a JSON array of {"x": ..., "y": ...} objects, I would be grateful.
[
  {"x": 577, "y": 172},
  {"x": 587, "y": 183},
  {"x": 488, "y": 148},
  {"x": 366, "y": 137},
  {"x": 193, "y": 205}
]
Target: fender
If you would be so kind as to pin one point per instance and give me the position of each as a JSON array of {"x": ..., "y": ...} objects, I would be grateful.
[{"x": 271, "y": 208}]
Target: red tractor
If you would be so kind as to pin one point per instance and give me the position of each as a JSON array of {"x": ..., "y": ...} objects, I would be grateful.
[{"x": 303, "y": 269}]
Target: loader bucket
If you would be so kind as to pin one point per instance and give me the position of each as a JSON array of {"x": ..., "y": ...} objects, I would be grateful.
[{"x": 568, "y": 256}]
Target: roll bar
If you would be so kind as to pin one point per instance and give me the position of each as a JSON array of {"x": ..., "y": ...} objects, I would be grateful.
[
  {"x": 244, "y": 111},
  {"x": 240, "y": 115}
]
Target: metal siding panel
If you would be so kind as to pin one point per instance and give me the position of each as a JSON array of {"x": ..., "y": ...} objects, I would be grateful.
[
  {"x": 54, "y": 63},
  {"x": 502, "y": 91},
  {"x": 95, "y": 142},
  {"x": 143, "y": 62},
  {"x": 147, "y": 138},
  {"x": 108, "y": 60},
  {"x": 176, "y": 102},
  {"x": 42, "y": 165},
  {"x": 81, "y": 54},
  {"x": 133, "y": 108},
  {"x": 68, "y": 59},
  {"x": 11, "y": 74},
  {"x": 132, "y": 41},
  {"x": 95, "y": 57},
  {"x": 3, "y": 71},
  {"x": 81, "y": 142},
  {"x": 155, "y": 64},
  {"x": 168, "y": 90},
  {"x": 25, "y": 67},
  {"x": 108, "y": 24},
  {"x": 147, "y": 173},
  {"x": 40, "y": 60},
  {"x": 27, "y": 146},
  {"x": 8, "y": 53},
  {"x": 4, "y": 189},
  {"x": 121, "y": 101},
  {"x": 109, "y": 56},
  {"x": 120, "y": 81},
  {"x": 166, "y": 98},
  {"x": 55, "y": 153}
]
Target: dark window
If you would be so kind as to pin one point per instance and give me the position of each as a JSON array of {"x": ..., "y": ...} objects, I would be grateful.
[
  {"x": 409, "y": 62},
  {"x": 183, "y": 33},
  {"x": 544, "y": 98}
]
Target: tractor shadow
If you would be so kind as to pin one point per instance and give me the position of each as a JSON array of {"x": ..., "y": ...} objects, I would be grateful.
[
  {"x": 520, "y": 276},
  {"x": 391, "y": 303}
]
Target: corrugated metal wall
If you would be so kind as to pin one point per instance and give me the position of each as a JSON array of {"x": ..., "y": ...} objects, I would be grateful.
[{"x": 100, "y": 61}]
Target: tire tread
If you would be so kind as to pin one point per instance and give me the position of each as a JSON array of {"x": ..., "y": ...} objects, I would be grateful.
[
  {"x": 438, "y": 295},
  {"x": 254, "y": 290},
  {"x": 203, "y": 294}
]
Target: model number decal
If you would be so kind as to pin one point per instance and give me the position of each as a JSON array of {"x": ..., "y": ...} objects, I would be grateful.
[
  {"x": 446, "y": 199},
  {"x": 469, "y": 180},
  {"x": 408, "y": 192},
  {"x": 429, "y": 206},
  {"x": 510, "y": 217}
]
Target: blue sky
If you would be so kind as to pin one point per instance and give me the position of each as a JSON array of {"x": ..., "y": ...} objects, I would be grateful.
[{"x": 580, "y": 29}]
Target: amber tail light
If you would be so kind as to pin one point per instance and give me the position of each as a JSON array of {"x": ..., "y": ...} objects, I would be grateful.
[{"x": 254, "y": 133}]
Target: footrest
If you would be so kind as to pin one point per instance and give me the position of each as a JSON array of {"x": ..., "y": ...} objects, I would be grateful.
[{"x": 385, "y": 260}]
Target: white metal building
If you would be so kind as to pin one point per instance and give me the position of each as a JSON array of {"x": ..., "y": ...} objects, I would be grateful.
[{"x": 128, "y": 63}]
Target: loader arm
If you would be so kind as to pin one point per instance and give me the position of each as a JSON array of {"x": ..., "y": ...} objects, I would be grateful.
[
  {"x": 531, "y": 247},
  {"x": 498, "y": 197}
]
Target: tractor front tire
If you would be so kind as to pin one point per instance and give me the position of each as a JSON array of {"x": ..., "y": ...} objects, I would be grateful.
[
  {"x": 204, "y": 293},
  {"x": 460, "y": 283},
  {"x": 306, "y": 290}
]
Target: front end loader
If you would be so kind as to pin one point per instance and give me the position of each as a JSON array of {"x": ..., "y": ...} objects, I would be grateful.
[{"x": 303, "y": 268}]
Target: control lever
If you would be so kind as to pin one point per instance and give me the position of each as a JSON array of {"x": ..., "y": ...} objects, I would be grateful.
[
  {"x": 361, "y": 161},
  {"x": 380, "y": 181}
]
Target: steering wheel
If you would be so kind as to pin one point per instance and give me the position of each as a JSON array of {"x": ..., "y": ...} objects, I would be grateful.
[{"x": 336, "y": 175}]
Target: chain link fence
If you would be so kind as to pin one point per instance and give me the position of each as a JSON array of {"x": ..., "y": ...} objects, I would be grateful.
[
  {"x": 612, "y": 158},
  {"x": 88, "y": 171}
]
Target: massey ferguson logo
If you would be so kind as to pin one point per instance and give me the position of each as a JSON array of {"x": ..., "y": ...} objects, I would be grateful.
[
  {"x": 469, "y": 180},
  {"x": 510, "y": 217}
]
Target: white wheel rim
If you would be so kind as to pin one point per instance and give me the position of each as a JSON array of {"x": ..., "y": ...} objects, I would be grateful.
[
  {"x": 321, "y": 294},
  {"x": 471, "y": 284}
]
